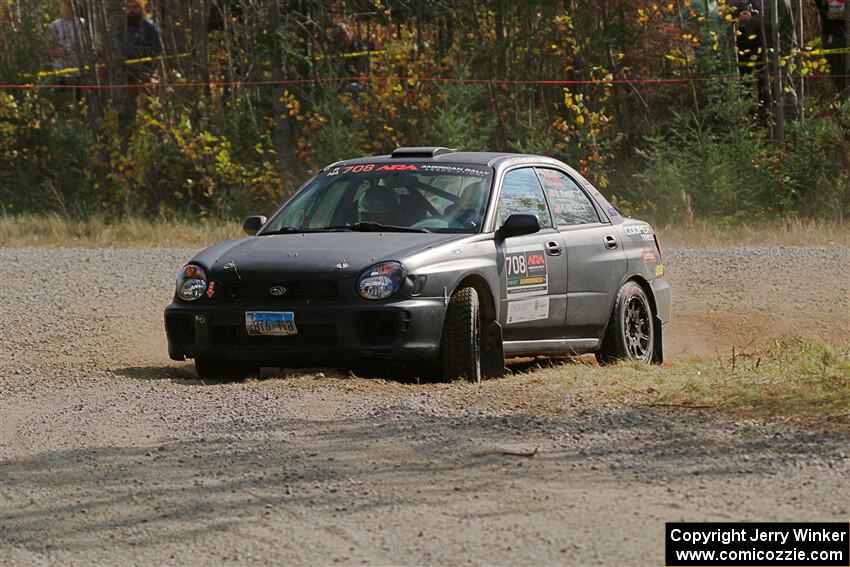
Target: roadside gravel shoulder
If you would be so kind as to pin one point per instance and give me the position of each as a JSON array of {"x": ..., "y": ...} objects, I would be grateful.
[{"x": 110, "y": 453}]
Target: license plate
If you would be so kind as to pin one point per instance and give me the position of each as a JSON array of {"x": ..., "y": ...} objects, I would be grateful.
[{"x": 270, "y": 323}]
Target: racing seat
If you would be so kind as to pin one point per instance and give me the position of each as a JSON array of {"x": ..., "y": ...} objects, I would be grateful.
[
  {"x": 411, "y": 209},
  {"x": 467, "y": 208}
]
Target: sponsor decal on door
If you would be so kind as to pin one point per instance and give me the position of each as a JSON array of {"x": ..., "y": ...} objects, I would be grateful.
[
  {"x": 526, "y": 272},
  {"x": 528, "y": 310}
]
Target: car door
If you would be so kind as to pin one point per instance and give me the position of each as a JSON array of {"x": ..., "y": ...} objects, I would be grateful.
[
  {"x": 533, "y": 273},
  {"x": 594, "y": 257}
]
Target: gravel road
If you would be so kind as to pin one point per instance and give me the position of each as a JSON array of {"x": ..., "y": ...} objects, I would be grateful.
[{"x": 112, "y": 454}]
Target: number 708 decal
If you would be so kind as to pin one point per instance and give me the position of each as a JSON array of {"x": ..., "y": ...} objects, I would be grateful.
[{"x": 525, "y": 272}]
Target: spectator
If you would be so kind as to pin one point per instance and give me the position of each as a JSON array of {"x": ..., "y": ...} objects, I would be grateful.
[
  {"x": 64, "y": 41},
  {"x": 754, "y": 16},
  {"x": 833, "y": 32},
  {"x": 344, "y": 45},
  {"x": 755, "y": 33},
  {"x": 143, "y": 40},
  {"x": 749, "y": 38}
]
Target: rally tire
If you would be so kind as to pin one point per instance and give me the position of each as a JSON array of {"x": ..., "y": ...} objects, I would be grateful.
[
  {"x": 213, "y": 369},
  {"x": 630, "y": 334},
  {"x": 460, "y": 345}
]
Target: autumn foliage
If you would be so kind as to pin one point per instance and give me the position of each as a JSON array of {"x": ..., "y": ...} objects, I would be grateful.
[{"x": 253, "y": 97}]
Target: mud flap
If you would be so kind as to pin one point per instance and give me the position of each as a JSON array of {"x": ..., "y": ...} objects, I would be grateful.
[
  {"x": 658, "y": 349},
  {"x": 493, "y": 355}
]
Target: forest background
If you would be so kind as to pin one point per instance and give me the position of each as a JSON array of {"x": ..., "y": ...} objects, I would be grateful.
[{"x": 251, "y": 97}]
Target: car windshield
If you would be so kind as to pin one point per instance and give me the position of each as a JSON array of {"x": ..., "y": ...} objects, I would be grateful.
[{"x": 403, "y": 197}]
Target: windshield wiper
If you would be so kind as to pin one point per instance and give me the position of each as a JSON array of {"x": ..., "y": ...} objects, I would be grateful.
[
  {"x": 286, "y": 230},
  {"x": 367, "y": 226}
]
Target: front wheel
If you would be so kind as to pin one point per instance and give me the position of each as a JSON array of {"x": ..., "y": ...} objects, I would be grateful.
[
  {"x": 460, "y": 345},
  {"x": 630, "y": 334}
]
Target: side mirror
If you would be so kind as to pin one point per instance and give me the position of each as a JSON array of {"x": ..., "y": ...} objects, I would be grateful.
[
  {"x": 252, "y": 225},
  {"x": 518, "y": 225}
]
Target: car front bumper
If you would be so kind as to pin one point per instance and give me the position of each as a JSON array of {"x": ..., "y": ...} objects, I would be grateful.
[{"x": 328, "y": 332}]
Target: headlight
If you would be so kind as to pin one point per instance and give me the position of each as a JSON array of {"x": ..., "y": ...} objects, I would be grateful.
[
  {"x": 381, "y": 281},
  {"x": 191, "y": 283}
]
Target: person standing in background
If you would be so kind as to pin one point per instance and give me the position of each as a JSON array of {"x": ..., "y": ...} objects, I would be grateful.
[
  {"x": 834, "y": 33},
  {"x": 143, "y": 40},
  {"x": 64, "y": 42},
  {"x": 351, "y": 56},
  {"x": 755, "y": 40}
]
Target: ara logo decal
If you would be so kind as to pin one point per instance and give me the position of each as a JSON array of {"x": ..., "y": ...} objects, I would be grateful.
[
  {"x": 536, "y": 259},
  {"x": 397, "y": 167},
  {"x": 648, "y": 256},
  {"x": 211, "y": 290}
]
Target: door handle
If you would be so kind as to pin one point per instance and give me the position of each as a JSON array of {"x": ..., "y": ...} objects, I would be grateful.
[
  {"x": 553, "y": 248},
  {"x": 610, "y": 241}
]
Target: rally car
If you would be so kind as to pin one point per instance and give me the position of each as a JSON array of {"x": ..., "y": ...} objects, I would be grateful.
[{"x": 443, "y": 260}]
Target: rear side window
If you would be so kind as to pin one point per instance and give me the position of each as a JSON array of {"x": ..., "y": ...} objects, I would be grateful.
[
  {"x": 522, "y": 194},
  {"x": 570, "y": 206}
]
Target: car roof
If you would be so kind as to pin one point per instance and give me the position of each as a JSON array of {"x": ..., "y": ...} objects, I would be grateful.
[{"x": 438, "y": 155}]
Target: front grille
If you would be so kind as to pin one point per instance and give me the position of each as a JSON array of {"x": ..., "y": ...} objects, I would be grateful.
[
  {"x": 316, "y": 335},
  {"x": 180, "y": 327},
  {"x": 303, "y": 290},
  {"x": 381, "y": 328}
]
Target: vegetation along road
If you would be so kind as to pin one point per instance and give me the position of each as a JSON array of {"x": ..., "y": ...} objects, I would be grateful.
[{"x": 111, "y": 453}]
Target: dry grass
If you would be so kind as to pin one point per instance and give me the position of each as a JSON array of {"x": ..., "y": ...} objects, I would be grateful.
[
  {"x": 795, "y": 380},
  {"x": 785, "y": 232},
  {"x": 56, "y": 231}
]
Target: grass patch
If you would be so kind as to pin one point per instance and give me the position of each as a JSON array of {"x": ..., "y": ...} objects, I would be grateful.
[
  {"x": 788, "y": 232},
  {"x": 794, "y": 379},
  {"x": 54, "y": 231},
  {"x": 57, "y": 231}
]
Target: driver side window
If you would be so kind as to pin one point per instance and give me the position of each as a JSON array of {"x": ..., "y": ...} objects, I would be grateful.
[{"x": 522, "y": 194}]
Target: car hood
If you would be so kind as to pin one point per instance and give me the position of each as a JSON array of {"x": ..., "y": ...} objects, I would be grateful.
[{"x": 312, "y": 254}]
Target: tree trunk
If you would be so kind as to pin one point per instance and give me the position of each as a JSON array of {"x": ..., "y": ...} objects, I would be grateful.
[
  {"x": 801, "y": 85},
  {"x": 776, "y": 71},
  {"x": 501, "y": 47},
  {"x": 200, "y": 16},
  {"x": 282, "y": 128},
  {"x": 846, "y": 80},
  {"x": 419, "y": 44},
  {"x": 116, "y": 52}
]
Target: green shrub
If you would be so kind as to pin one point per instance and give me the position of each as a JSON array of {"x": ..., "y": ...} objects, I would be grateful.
[
  {"x": 461, "y": 120},
  {"x": 818, "y": 165}
]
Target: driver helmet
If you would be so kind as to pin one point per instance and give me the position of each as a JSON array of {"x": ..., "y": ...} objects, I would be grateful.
[{"x": 379, "y": 204}]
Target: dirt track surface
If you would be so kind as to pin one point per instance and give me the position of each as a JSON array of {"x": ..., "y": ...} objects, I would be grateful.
[{"x": 112, "y": 454}]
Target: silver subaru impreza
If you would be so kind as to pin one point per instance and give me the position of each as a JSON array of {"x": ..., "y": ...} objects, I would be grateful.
[{"x": 448, "y": 260}]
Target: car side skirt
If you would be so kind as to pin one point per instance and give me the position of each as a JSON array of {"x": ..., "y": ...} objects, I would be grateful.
[{"x": 552, "y": 346}]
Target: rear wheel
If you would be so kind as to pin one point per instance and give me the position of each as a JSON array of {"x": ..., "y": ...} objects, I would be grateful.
[
  {"x": 218, "y": 369},
  {"x": 630, "y": 334},
  {"x": 460, "y": 345}
]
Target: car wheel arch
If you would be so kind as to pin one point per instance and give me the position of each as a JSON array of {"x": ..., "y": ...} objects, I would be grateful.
[
  {"x": 658, "y": 350},
  {"x": 486, "y": 298}
]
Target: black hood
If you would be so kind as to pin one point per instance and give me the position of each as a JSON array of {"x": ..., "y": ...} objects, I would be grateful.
[{"x": 312, "y": 255}]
